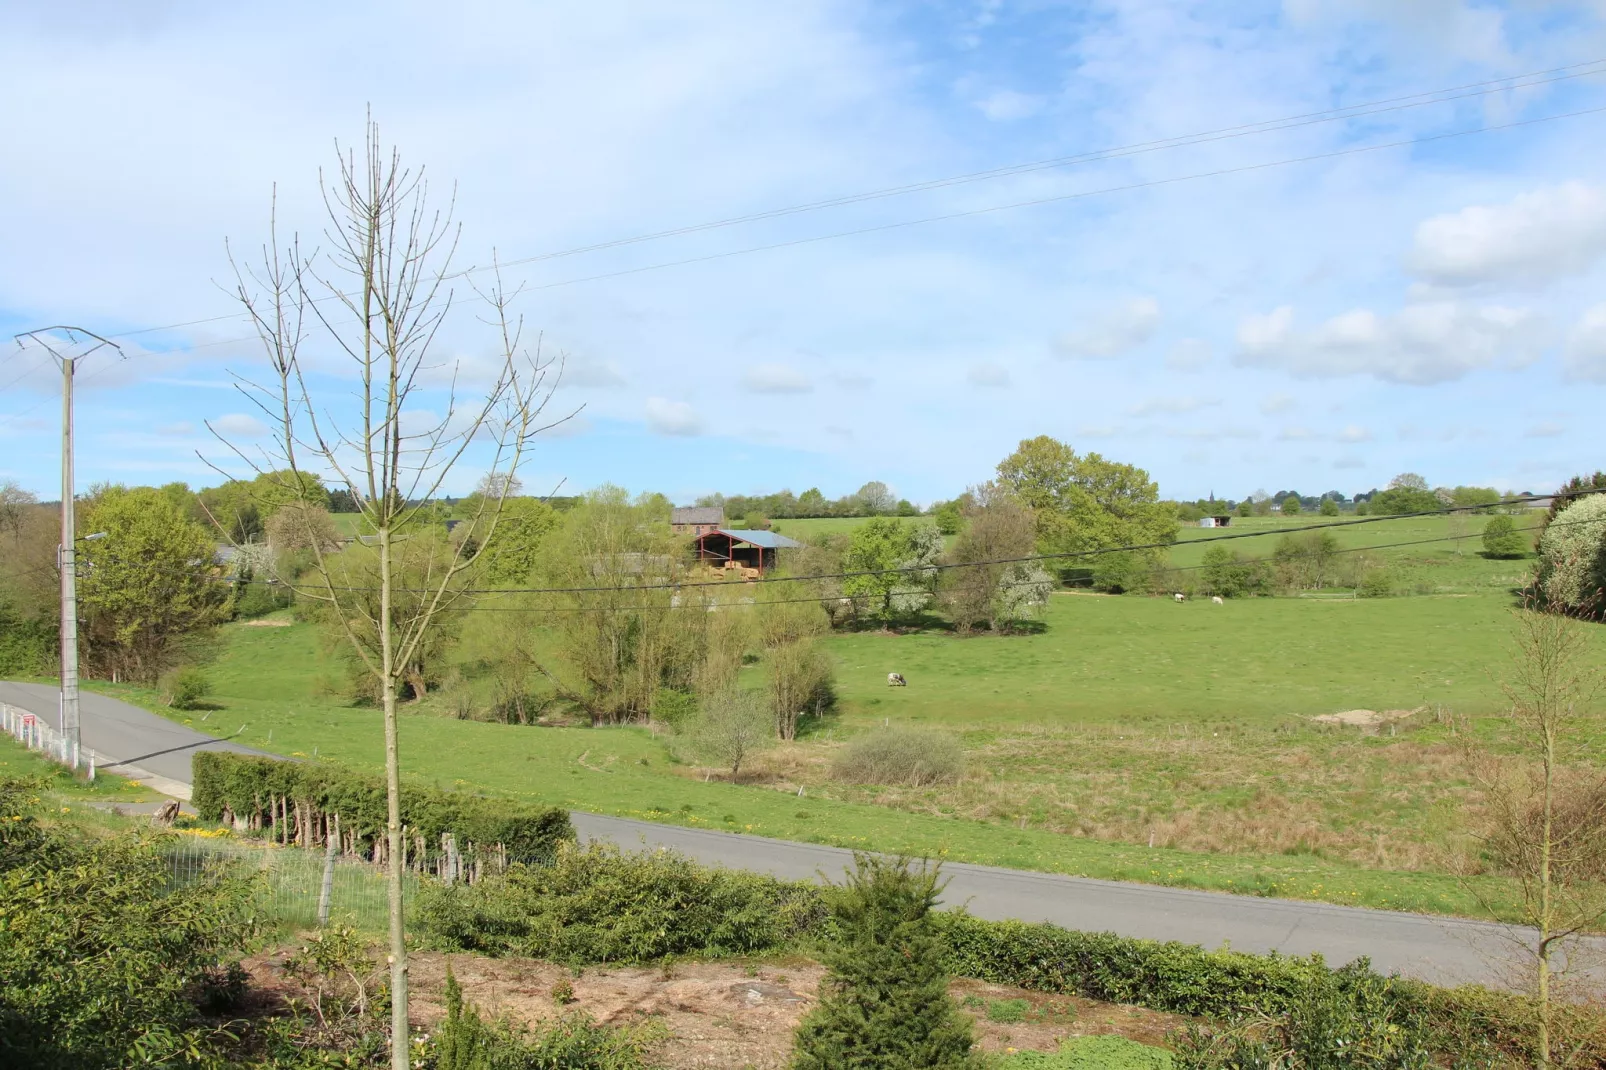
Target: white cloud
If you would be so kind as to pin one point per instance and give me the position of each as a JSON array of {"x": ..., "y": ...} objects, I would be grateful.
[
  {"x": 1174, "y": 405},
  {"x": 238, "y": 425},
  {"x": 1112, "y": 332},
  {"x": 991, "y": 375},
  {"x": 1188, "y": 355},
  {"x": 1272, "y": 404},
  {"x": 592, "y": 374},
  {"x": 1422, "y": 344},
  {"x": 1007, "y": 105},
  {"x": 673, "y": 417},
  {"x": 1355, "y": 433},
  {"x": 1537, "y": 236},
  {"x": 183, "y": 427},
  {"x": 776, "y": 379},
  {"x": 1586, "y": 347},
  {"x": 1295, "y": 434}
]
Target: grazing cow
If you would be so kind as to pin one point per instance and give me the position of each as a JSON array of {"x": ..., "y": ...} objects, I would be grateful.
[
  {"x": 1180, "y": 597},
  {"x": 895, "y": 679},
  {"x": 1215, "y": 599}
]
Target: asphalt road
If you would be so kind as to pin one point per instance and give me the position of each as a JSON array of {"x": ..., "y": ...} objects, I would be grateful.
[
  {"x": 1442, "y": 950},
  {"x": 147, "y": 747}
]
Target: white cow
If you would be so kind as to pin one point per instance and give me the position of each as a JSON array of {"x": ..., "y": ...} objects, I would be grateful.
[
  {"x": 895, "y": 679},
  {"x": 1180, "y": 597},
  {"x": 1215, "y": 599}
]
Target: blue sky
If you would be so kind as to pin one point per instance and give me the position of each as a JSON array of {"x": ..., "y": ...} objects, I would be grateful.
[{"x": 1435, "y": 306}]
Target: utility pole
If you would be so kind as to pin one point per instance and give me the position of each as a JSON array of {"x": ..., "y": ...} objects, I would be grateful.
[{"x": 61, "y": 348}]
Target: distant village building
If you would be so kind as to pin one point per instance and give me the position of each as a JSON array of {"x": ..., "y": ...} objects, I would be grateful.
[{"x": 697, "y": 519}]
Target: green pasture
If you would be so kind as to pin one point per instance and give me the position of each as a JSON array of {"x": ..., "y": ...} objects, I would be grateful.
[
  {"x": 831, "y": 525},
  {"x": 1435, "y": 554},
  {"x": 1129, "y": 658},
  {"x": 265, "y": 684}
]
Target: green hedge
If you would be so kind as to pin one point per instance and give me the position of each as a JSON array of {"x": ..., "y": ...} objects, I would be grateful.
[
  {"x": 248, "y": 786},
  {"x": 597, "y": 904},
  {"x": 1224, "y": 985}
]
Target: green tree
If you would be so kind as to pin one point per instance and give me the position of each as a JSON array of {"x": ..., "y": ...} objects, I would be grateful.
[
  {"x": 949, "y": 517},
  {"x": 1502, "y": 539},
  {"x": 149, "y": 587},
  {"x": 1084, "y": 503},
  {"x": 1329, "y": 507},
  {"x": 875, "y": 499},
  {"x": 902, "y": 560},
  {"x": 1572, "y": 559},
  {"x": 1290, "y": 506},
  {"x": 513, "y": 551},
  {"x": 884, "y": 1002},
  {"x": 996, "y": 594},
  {"x": 812, "y": 503},
  {"x": 1245, "y": 508},
  {"x": 1228, "y": 574}
]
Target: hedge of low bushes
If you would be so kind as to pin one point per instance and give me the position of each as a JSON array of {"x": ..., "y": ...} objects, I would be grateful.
[
  {"x": 597, "y": 904},
  {"x": 294, "y": 800},
  {"x": 601, "y": 905}
]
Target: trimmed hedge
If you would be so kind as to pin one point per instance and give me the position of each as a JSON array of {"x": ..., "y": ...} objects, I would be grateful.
[
  {"x": 1226, "y": 985},
  {"x": 252, "y": 788}
]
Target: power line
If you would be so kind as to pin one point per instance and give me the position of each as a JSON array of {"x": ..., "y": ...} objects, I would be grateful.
[
  {"x": 1390, "y": 104},
  {"x": 1070, "y": 555},
  {"x": 949, "y": 216}
]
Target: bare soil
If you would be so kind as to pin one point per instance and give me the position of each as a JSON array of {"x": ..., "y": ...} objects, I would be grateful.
[{"x": 726, "y": 1014}]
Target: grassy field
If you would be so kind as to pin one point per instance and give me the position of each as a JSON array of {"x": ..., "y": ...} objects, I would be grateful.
[
  {"x": 1126, "y": 719},
  {"x": 60, "y": 783}
]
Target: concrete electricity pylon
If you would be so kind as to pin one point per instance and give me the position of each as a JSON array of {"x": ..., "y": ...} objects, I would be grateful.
[{"x": 68, "y": 345}]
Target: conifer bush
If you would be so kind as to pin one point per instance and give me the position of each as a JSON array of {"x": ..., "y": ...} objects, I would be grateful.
[{"x": 884, "y": 1003}]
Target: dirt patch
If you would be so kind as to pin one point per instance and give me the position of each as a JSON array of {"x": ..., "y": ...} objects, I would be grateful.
[
  {"x": 727, "y": 1014},
  {"x": 1365, "y": 718},
  {"x": 732, "y": 1015},
  {"x": 266, "y": 622}
]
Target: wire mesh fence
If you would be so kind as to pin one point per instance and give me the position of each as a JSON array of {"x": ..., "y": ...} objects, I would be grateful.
[{"x": 289, "y": 881}]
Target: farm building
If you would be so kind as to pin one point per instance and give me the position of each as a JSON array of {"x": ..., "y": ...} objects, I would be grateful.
[
  {"x": 696, "y": 519},
  {"x": 1215, "y": 521},
  {"x": 747, "y": 550}
]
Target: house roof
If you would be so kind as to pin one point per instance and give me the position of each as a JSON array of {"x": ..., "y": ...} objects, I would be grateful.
[
  {"x": 769, "y": 540},
  {"x": 697, "y": 514}
]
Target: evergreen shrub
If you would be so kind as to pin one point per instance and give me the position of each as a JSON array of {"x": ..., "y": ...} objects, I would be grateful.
[{"x": 884, "y": 1002}]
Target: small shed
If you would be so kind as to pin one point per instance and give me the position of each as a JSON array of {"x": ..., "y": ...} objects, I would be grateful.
[
  {"x": 1215, "y": 521},
  {"x": 696, "y": 519},
  {"x": 728, "y": 548}
]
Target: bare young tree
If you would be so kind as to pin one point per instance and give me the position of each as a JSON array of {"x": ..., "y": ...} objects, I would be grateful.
[
  {"x": 380, "y": 296},
  {"x": 1546, "y": 812}
]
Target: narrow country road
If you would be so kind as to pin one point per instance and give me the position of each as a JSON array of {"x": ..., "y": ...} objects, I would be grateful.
[{"x": 1441, "y": 950}]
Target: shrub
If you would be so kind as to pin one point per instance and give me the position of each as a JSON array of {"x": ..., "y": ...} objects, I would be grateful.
[
  {"x": 674, "y": 707},
  {"x": 1376, "y": 583},
  {"x": 250, "y": 787},
  {"x": 255, "y": 598},
  {"x": 917, "y": 757},
  {"x": 1347, "y": 1020},
  {"x": 1228, "y": 574},
  {"x": 186, "y": 688},
  {"x": 597, "y": 904},
  {"x": 1502, "y": 539},
  {"x": 884, "y": 1001},
  {"x": 1091, "y": 1053},
  {"x": 1291, "y": 506},
  {"x": 464, "y": 1041},
  {"x": 1118, "y": 573},
  {"x": 105, "y": 961},
  {"x": 1329, "y": 507},
  {"x": 1572, "y": 559}
]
